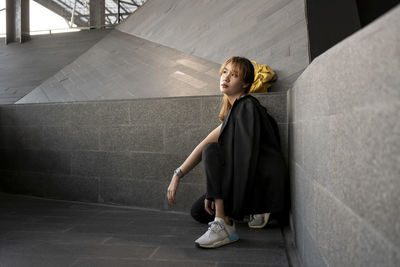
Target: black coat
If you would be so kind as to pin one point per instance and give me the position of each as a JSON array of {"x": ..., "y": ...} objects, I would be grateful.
[{"x": 254, "y": 173}]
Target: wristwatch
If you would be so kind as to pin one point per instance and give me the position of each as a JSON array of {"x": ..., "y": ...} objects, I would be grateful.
[{"x": 179, "y": 173}]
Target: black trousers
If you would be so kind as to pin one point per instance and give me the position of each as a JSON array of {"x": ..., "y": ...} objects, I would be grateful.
[
  {"x": 212, "y": 161},
  {"x": 212, "y": 164}
]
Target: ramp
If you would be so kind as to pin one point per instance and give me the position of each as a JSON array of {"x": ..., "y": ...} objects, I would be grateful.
[
  {"x": 123, "y": 66},
  {"x": 25, "y": 66},
  {"x": 174, "y": 48}
]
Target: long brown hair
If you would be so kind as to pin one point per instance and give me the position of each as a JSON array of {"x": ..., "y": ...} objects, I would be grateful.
[{"x": 245, "y": 70}]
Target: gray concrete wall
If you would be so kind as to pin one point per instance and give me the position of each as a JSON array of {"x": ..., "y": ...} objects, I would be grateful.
[
  {"x": 25, "y": 66},
  {"x": 120, "y": 152},
  {"x": 344, "y": 134},
  {"x": 123, "y": 66},
  {"x": 175, "y": 48},
  {"x": 272, "y": 32}
]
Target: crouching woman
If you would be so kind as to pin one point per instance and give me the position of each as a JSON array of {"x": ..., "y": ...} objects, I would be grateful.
[{"x": 245, "y": 170}]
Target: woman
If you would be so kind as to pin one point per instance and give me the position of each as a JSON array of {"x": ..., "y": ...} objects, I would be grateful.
[{"x": 245, "y": 170}]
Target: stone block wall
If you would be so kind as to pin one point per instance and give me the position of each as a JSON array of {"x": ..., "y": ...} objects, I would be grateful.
[
  {"x": 344, "y": 134},
  {"x": 117, "y": 152}
]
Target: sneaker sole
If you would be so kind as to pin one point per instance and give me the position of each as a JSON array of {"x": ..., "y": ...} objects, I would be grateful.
[
  {"x": 266, "y": 217},
  {"x": 228, "y": 240}
]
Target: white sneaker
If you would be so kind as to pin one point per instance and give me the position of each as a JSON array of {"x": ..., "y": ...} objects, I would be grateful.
[
  {"x": 259, "y": 220},
  {"x": 218, "y": 234}
]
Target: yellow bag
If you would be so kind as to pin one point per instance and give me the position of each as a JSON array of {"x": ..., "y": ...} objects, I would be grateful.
[{"x": 263, "y": 75}]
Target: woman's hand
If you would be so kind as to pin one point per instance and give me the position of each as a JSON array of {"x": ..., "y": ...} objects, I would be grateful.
[
  {"x": 209, "y": 206},
  {"x": 173, "y": 186}
]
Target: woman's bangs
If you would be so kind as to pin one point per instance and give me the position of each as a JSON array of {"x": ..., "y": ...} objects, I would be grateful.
[{"x": 237, "y": 67}]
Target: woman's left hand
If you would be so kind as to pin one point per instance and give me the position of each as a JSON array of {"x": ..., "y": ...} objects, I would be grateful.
[
  {"x": 173, "y": 186},
  {"x": 209, "y": 206}
]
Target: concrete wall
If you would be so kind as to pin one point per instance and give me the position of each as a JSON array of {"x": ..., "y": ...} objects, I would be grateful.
[
  {"x": 25, "y": 66},
  {"x": 175, "y": 48},
  {"x": 121, "y": 152},
  {"x": 123, "y": 66},
  {"x": 344, "y": 134},
  {"x": 271, "y": 32}
]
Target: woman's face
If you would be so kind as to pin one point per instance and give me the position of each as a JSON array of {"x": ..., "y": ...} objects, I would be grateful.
[{"x": 230, "y": 83}]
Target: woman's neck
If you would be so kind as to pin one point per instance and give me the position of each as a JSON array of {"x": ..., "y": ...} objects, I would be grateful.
[{"x": 232, "y": 98}]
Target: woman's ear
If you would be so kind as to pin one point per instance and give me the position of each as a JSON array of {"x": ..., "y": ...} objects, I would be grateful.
[{"x": 245, "y": 85}]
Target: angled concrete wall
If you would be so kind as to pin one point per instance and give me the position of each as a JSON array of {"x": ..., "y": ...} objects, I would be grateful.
[
  {"x": 271, "y": 32},
  {"x": 25, "y": 66},
  {"x": 344, "y": 150},
  {"x": 122, "y": 66},
  {"x": 175, "y": 48},
  {"x": 119, "y": 152}
]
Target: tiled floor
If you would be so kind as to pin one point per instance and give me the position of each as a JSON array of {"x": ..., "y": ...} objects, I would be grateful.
[{"x": 39, "y": 232}]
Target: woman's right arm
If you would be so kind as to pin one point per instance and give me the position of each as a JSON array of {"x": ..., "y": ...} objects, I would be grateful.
[
  {"x": 195, "y": 157},
  {"x": 192, "y": 160}
]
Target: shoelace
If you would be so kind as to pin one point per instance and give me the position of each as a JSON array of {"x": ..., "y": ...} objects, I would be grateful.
[{"x": 215, "y": 226}]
